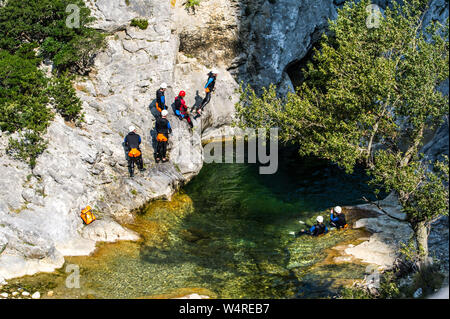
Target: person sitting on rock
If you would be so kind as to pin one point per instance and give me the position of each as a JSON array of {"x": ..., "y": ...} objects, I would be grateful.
[
  {"x": 318, "y": 229},
  {"x": 160, "y": 98},
  {"x": 209, "y": 88},
  {"x": 337, "y": 218},
  {"x": 163, "y": 130},
  {"x": 181, "y": 108},
  {"x": 132, "y": 142}
]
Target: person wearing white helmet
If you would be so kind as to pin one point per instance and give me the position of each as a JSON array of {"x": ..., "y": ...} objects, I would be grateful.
[
  {"x": 132, "y": 142},
  {"x": 209, "y": 88},
  {"x": 337, "y": 218},
  {"x": 160, "y": 97},
  {"x": 318, "y": 229},
  {"x": 163, "y": 129}
]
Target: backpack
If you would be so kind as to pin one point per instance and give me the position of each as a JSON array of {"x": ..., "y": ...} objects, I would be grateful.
[{"x": 87, "y": 215}]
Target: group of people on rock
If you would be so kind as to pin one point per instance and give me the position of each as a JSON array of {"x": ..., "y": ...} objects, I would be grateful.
[
  {"x": 337, "y": 220},
  {"x": 163, "y": 129}
]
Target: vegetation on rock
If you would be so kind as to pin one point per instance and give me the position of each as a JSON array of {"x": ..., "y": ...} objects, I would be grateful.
[
  {"x": 31, "y": 32},
  {"x": 191, "y": 4},
  {"x": 140, "y": 23}
]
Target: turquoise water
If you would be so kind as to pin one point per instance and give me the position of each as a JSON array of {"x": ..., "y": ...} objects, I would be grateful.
[{"x": 227, "y": 235}]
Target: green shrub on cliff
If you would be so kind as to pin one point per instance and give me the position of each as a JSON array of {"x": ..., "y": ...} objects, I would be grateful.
[
  {"x": 31, "y": 31},
  {"x": 27, "y": 148},
  {"x": 140, "y": 23},
  {"x": 23, "y": 95},
  {"x": 69, "y": 44},
  {"x": 64, "y": 97},
  {"x": 191, "y": 4},
  {"x": 370, "y": 96}
]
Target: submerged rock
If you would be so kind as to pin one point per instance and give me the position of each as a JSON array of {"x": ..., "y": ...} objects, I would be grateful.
[
  {"x": 108, "y": 231},
  {"x": 193, "y": 235}
]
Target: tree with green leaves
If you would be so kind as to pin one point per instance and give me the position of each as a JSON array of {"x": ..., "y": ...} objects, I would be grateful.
[
  {"x": 30, "y": 32},
  {"x": 370, "y": 97},
  {"x": 44, "y": 22}
]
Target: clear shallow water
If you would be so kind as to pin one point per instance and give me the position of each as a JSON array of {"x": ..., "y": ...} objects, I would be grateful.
[{"x": 226, "y": 235}]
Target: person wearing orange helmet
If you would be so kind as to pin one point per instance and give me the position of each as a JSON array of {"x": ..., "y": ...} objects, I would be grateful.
[{"x": 181, "y": 108}]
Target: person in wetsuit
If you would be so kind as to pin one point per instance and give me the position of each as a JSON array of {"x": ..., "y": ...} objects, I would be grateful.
[
  {"x": 181, "y": 108},
  {"x": 337, "y": 218},
  {"x": 132, "y": 142},
  {"x": 163, "y": 130},
  {"x": 209, "y": 88},
  {"x": 160, "y": 98},
  {"x": 318, "y": 229}
]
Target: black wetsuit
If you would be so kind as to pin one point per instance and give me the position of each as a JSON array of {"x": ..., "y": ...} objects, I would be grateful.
[
  {"x": 162, "y": 127},
  {"x": 133, "y": 140},
  {"x": 209, "y": 87},
  {"x": 338, "y": 220},
  {"x": 316, "y": 230},
  {"x": 160, "y": 100}
]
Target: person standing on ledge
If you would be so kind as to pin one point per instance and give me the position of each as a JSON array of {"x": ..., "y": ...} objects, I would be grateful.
[
  {"x": 132, "y": 142},
  {"x": 163, "y": 130},
  {"x": 337, "y": 218},
  {"x": 160, "y": 98},
  {"x": 209, "y": 88},
  {"x": 181, "y": 108}
]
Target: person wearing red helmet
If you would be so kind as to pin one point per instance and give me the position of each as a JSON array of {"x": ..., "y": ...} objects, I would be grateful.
[{"x": 181, "y": 108}]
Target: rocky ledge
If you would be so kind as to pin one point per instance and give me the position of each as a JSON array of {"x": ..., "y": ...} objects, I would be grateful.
[
  {"x": 388, "y": 234},
  {"x": 380, "y": 250}
]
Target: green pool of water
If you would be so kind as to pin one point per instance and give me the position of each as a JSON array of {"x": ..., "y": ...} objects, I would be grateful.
[{"x": 226, "y": 234}]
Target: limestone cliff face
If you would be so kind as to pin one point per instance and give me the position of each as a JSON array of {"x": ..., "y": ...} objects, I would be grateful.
[
  {"x": 39, "y": 208},
  {"x": 253, "y": 41}
]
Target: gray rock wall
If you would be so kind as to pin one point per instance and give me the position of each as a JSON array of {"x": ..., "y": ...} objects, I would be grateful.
[{"x": 39, "y": 208}]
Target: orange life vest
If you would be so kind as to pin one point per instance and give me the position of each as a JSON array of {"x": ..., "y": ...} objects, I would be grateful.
[
  {"x": 161, "y": 137},
  {"x": 134, "y": 153}
]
